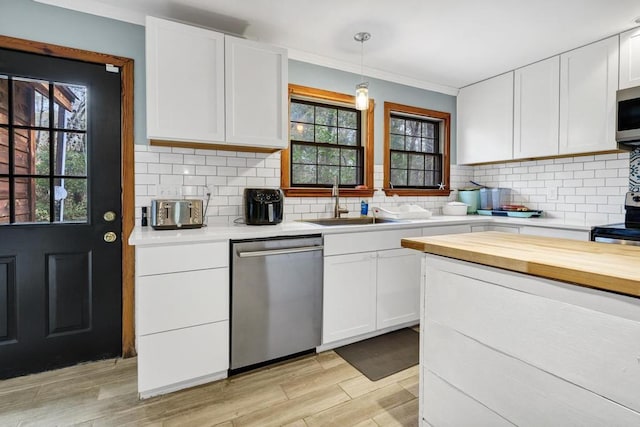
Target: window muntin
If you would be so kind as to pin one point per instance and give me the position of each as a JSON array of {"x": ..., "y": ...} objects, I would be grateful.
[
  {"x": 420, "y": 151},
  {"x": 43, "y": 151},
  {"x": 415, "y": 157},
  {"x": 325, "y": 144}
]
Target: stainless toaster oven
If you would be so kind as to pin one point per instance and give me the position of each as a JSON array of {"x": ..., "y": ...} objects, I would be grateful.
[{"x": 175, "y": 214}]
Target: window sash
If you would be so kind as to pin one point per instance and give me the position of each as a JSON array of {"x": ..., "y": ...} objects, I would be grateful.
[{"x": 349, "y": 174}]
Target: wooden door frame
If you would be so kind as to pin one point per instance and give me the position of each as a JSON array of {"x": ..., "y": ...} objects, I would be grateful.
[{"x": 127, "y": 163}]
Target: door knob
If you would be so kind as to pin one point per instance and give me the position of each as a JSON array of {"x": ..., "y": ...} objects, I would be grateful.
[{"x": 110, "y": 237}]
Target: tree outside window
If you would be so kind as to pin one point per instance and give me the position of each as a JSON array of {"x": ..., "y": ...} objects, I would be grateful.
[
  {"x": 330, "y": 141},
  {"x": 416, "y": 148}
]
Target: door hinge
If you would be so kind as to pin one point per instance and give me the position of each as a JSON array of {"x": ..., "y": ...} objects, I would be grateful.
[{"x": 112, "y": 68}]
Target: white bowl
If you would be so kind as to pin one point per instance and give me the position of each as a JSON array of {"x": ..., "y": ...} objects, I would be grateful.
[{"x": 455, "y": 208}]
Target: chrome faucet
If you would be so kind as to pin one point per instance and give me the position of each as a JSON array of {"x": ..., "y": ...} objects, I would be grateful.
[{"x": 335, "y": 192}]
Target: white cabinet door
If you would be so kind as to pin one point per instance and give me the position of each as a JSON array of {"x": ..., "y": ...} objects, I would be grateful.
[
  {"x": 256, "y": 78},
  {"x": 630, "y": 58},
  {"x": 485, "y": 121},
  {"x": 398, "y": 291},
  {"x": 349, "y": 300},
  {"x": 185, "y": 82},
  {"x": 535, "y": 109},
  {"x": 588, "y": 84}
]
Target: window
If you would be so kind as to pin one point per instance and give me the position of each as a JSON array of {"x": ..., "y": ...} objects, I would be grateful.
[
  {"x": 416, "y": 149},
  {"x": 43, "y": 155},
  {"x": 329, "y": 140}
]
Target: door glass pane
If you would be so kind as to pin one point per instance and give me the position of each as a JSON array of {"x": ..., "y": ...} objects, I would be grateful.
[
  {"x": 70, "y": 152},
  {"x": 31, "y": 103},
  {"x": 70, "y": 196},
  {"x": 31, "y": 152},
  {"x": 32, "y": 200},
  {"x": 71, "y": 112},
  {"x": 4, "y": 201},
  {"x": 4, "y": 100},
  {"x": 4, "y": 150}
]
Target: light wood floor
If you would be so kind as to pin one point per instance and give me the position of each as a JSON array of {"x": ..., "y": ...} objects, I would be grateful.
[{"x": 316, "y": 390}]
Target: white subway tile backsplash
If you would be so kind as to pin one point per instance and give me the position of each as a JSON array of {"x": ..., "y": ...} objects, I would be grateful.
[
  {"x": 590, "y": 189},
  {"x": 194, "y": 160},
  {"x": 237, "y": 161},
  {"x": 171, "y": 158}
]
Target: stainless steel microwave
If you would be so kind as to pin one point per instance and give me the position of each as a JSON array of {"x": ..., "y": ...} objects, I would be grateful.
[{"x": 628, "y": 118}]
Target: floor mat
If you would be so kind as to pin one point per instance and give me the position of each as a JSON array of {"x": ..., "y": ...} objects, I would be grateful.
[{"x": 383, "y": 355}]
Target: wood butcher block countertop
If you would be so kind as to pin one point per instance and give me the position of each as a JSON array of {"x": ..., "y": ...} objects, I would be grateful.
[{"x": 603, "y": 266}]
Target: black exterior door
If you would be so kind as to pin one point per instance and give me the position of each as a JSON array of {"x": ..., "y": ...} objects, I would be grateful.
[{"x": 60, "y": 200}]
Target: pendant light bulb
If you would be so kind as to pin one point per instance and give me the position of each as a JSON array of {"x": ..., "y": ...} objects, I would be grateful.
[
  {"x": 362, "y": 88},
  {"x": 362, "y": 96}
]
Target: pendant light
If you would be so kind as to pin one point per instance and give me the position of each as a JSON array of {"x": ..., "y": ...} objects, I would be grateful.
[{"x": 362, "y": 88}]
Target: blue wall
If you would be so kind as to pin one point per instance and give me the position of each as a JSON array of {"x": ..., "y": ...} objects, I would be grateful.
[
  {"x": 35, "y": 21},
  {"x": 27, "y": 19}
]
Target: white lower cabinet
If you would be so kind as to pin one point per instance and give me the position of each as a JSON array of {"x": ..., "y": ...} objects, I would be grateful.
[
  {"x": 349, "y": 301},
  {"x": 182, "y": 315},
  {"x": 370, "y": 284},
  {"x": 398, "y": 293}
]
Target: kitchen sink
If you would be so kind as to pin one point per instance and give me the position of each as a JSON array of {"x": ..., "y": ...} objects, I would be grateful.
[{"x": 348, "y": 221}]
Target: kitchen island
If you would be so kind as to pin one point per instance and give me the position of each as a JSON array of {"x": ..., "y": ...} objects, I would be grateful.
[{"x": 526, "y": 330}]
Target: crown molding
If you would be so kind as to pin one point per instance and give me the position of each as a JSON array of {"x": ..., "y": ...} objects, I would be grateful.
[
  {"x": 134, "y": 17},
  {"x": 97, "y": 8}
]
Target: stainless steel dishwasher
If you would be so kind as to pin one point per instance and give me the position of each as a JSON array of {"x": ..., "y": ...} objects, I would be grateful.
[{"x": 276, "y": 298}]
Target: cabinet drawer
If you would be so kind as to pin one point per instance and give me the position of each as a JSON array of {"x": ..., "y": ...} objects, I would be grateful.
[
  {"x": 175, "y": 258},
  {"x": 181, "y": 355},
  {"x": 335, "y": 244},
  {"x": 178, "y": 300}
]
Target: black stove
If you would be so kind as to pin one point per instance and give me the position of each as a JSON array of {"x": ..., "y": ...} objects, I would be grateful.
[{"x": 626, "y": 233}]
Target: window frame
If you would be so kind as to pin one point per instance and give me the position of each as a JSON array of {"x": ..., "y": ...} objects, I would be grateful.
[
  {"x": 445, "y": 135},
  {"x": 320, "y": 95}
]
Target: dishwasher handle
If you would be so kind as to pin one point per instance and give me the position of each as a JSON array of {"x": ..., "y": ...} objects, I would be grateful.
[{"x": 284, "y": 251}]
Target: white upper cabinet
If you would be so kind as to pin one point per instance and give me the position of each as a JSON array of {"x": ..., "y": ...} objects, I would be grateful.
[
  {"x": 206, "y": 87},
  {"x": 536, "y": 109},
  {"x": 256, "y": 94},
  {"x": 185, "y": 82},
  {"x": 630, "y": 58},
  {"x": 588, "y": 84},
  {"x": 485, "y": 121}
]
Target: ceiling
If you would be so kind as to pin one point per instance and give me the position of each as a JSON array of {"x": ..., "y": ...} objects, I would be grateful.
[{"x": 440, "y": 45}]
